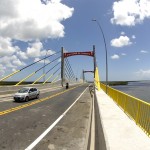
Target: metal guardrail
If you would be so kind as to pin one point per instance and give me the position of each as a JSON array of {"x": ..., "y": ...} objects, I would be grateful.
[{"x": 135, "y": 108}]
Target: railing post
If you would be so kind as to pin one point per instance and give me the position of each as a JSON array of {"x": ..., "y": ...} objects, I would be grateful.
[
  {"x": 125, "y": 104},
  {"x": 117, "y": 99},
  {"x": 138, "y": 114}
]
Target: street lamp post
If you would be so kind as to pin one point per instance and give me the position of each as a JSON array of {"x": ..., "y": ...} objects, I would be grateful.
[
  {"x": 105, "y": 51},
  {"x": 44, "y": 67}
]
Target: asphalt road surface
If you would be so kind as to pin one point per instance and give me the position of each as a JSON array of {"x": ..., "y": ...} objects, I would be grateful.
[{"x": 22, "y": 123}]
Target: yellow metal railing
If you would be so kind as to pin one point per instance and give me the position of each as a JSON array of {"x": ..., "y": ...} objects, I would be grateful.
[
  {"x": 137, "y": 109},
  {"x": 97, "y": 79}
]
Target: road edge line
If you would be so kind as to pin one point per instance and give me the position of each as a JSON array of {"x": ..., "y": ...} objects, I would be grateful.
[{"x": 33, "y": 144}]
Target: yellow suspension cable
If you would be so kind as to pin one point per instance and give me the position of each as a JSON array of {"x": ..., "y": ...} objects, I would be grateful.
[
  {"x": 25, "y": 78},
  {"x": 48, "y": 78},
  {"x": 38, "y": 78},
  {"x": 56, "y": 78},
  {"x": 10, "y": 75}
]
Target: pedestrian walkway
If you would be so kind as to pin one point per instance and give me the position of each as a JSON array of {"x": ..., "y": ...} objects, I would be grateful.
[{"x": 121, "y": 133}]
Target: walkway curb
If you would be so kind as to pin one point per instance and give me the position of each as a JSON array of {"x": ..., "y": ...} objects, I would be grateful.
[
  {"x": 87, "y": 138},
  {"x": 121, "y": 132},
  {"x": 100, "y": 140}
]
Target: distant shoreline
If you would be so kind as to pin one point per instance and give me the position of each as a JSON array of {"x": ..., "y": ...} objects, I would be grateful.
[
  {"x": 115, "y": 83},
  {"x": 5, "y": 83}
]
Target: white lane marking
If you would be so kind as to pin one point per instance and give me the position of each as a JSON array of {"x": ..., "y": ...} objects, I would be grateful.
[{"x": 32, "y": 145}]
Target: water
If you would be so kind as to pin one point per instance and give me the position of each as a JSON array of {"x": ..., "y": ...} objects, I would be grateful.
[{"x": 139, "y": 89}]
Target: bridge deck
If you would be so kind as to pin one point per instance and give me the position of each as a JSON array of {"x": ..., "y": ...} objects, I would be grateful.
[{"x": 121, "y": 133}]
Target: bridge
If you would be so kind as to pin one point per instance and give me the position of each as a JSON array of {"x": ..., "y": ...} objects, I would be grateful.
[{"x": 80, "y": 117}]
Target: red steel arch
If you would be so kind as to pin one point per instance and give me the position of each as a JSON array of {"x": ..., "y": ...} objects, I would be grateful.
[
  {"x": 68, "y": 54},
  {"x": 88, "y": 53}
]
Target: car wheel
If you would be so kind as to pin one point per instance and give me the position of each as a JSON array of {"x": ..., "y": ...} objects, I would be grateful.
[
  {"x": 27, "y": 99},
  {"x": 37, "y": 96}
]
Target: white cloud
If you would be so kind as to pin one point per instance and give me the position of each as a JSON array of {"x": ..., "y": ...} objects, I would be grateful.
[
  {"x": 14, "y": 69},
  {"x": 17, "y": 62},
  {"x": 143, "y": 51},
  {"x": 47, "y": 52},
  {"x": 22, "y": 55},
  {"x": 143, "y": 73},
  {"x": 122, "y": 33},
  {"x": 11, "y": 61},
  {"x": 42, "y": 61},
  {"x": 6, "y": 47},
  {"x": 133, "y": 37},
  {"x": 121, "y": 41},
  {"x": 115, "y": 56},
  {"x": 28, "y": 20},
  {"x": 59, "y": 60},
  {"x": 34, "y": 49},
  {"x": 123, "y": 54},
  {"x": 2, "y": 70},
  {"x": 130, "y": 12},
  {"x": 137, "y": 59}
]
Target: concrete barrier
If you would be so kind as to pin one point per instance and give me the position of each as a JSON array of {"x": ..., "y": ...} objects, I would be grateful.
[{"x": 100, "y": 143}]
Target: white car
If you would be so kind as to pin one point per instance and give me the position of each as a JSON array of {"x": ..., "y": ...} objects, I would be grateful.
[{"x": 27, "y": 93}]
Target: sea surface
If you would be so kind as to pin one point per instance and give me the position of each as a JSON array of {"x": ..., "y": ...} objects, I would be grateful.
[{"x": 138, "y": 89}]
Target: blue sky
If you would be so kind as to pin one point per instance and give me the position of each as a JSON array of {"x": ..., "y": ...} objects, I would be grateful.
[{"x": 28, "y": 29}]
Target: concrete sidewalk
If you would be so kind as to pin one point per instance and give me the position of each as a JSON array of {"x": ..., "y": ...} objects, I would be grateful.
[{"x": 121, "y": 133}]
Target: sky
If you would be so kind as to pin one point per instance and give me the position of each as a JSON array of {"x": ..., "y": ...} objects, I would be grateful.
[{"x": 32, "y": 29}]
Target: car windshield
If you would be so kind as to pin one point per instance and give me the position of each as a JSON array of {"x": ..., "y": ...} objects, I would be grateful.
[{"x": 23, "y": 90}]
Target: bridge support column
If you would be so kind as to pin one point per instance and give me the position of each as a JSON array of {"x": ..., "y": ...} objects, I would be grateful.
[
  {"x": 83, "y": 77},
  {"x": 62, "y": 66}
]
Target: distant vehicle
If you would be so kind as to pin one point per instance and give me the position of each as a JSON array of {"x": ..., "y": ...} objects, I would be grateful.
[
  {"x": 67, "y": 85},
  {"x": 27, "y": 93}
]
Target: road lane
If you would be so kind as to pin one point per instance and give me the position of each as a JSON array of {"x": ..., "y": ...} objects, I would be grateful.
[
  {"x": 19, "y": 128},
  {"x": 43, "y": 135},
  {"x": 9, "y": 103},
  {"x": 10, "y": 96}
]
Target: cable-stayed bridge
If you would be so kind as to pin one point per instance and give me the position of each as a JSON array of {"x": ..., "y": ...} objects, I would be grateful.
[
  {"x": 80, "y": 117},
  {"x": 53, "y": 72}
]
